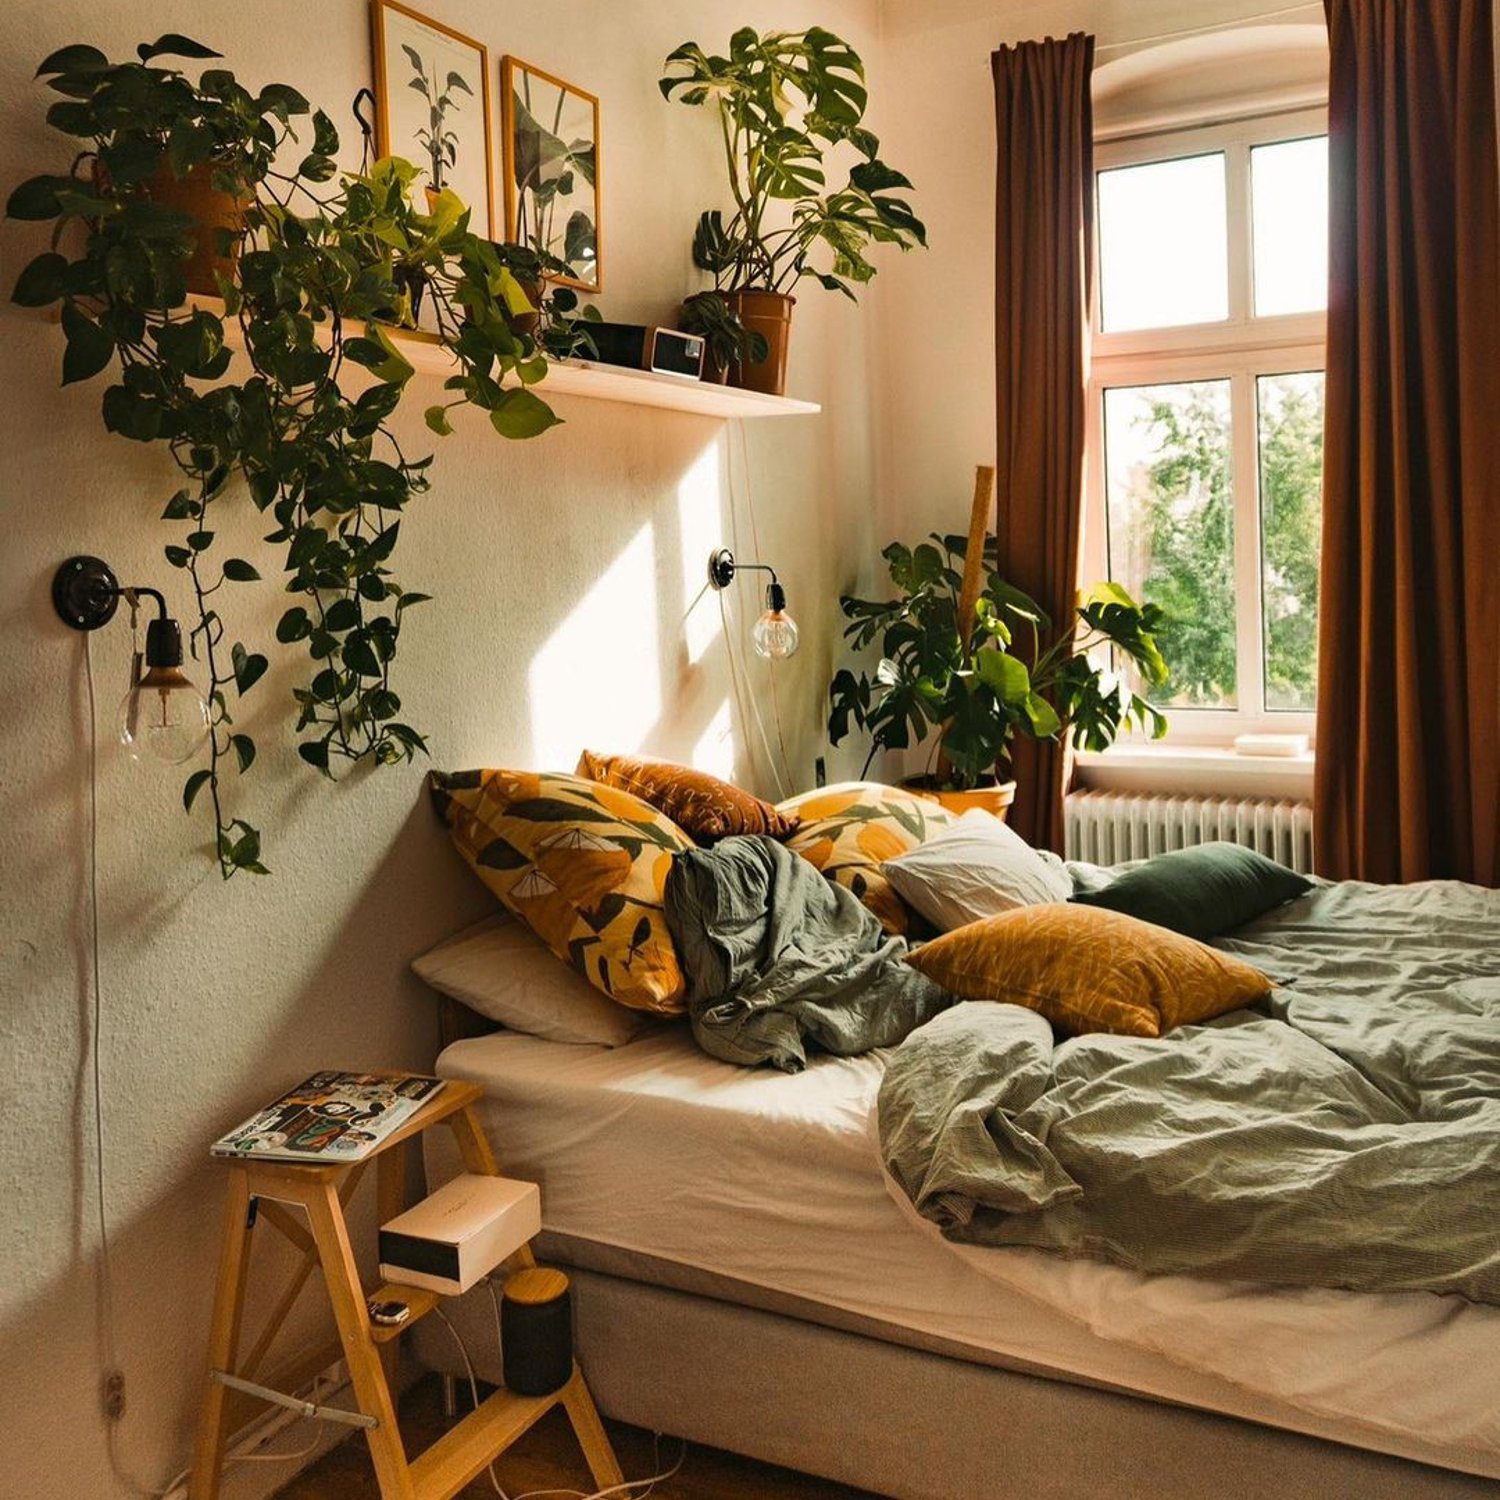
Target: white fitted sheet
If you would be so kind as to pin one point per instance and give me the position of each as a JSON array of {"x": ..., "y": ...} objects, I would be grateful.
[{"x": 774, "y": 1180}]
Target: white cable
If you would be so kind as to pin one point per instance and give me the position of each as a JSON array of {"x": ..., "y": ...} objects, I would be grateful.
[{"x": 785, "y": 780}]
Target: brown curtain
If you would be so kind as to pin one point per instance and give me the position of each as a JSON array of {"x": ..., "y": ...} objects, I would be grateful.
[
  {"x": 1043, "y": 228},
  {"x": 1408, "y": 767}
]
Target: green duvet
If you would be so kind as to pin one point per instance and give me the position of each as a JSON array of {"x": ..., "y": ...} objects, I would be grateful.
[{"x": 1346, "y": 1136}]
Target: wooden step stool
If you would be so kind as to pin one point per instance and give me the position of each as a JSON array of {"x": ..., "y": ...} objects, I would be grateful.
[{"x": 267, "y": 1190}]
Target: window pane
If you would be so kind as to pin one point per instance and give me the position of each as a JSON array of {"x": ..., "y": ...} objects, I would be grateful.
[
  {"x": 1163, "y": 244},
  {"x": 1289, "y": 191},
  {"x": 1291, "y": 509},
  {"x": 1167, "y": 453}
]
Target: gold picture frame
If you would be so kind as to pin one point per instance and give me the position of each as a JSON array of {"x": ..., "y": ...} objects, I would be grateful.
[
  {"x": 423, "y": 117},
  {"x": 551, "y": 142}
]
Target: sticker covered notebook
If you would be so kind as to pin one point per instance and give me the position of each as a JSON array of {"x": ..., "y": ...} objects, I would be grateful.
[{"x": 330, "y": 1117}]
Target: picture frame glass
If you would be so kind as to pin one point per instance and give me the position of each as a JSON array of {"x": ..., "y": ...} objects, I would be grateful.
[
  {"x": 552, "y": 171},
  {"x": 435, "y": 108}
]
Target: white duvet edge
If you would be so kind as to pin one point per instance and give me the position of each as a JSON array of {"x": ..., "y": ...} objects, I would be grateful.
[{"x": 999, "y": 1264}]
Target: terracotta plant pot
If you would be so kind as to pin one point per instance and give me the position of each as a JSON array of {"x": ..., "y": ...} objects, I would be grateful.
[
  {"x": 527, "y": 323},
  {"x": 995, "y": 798},
  {"x": 211, "y": 210},
  {"x": 770, "y": 314}
]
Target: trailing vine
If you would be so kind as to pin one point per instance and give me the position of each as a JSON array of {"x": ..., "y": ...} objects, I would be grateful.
[{"x": 304, "y": 252}]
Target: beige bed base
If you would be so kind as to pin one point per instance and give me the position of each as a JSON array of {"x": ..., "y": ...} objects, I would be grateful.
[{"x": 914, "y": 1423}]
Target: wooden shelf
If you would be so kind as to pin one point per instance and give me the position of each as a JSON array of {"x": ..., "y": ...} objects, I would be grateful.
[
  {"x": 420, "y": 1299},
  {"x": 585, "y": 378}
]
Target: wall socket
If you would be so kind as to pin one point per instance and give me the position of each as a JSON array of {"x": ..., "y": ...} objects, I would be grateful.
[{"x": 112, "y": 1395}]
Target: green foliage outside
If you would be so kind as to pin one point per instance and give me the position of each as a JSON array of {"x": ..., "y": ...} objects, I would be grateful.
[{"x": 1172, "y": 534}]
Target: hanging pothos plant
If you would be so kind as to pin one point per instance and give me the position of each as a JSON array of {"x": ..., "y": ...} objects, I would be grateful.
[{"x": 296, "y": 261}]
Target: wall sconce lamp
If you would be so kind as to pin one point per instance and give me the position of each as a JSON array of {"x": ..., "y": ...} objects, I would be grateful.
[
  {"x": 775, "y": 633},
  {"x": 163, "y": 714}
]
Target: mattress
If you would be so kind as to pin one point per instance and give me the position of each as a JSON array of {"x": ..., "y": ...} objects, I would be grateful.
[{"x": 772, "y": 1182}]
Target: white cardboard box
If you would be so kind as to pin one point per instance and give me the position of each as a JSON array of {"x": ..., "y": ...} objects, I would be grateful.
[{"x": 457, "y": 1234}]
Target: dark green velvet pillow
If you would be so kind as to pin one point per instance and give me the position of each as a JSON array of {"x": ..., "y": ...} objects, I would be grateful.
[{"x": 1201, "y": 892}]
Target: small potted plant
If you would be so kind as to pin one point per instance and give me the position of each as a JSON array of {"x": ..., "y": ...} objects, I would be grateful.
[
  {"x": 972, "y": 688},
  {"x": 785, "y": 101},
  {"x": 729, "y": 343}
]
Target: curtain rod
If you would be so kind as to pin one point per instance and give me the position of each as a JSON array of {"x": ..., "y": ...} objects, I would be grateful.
[{"x": 1229, "y": 25}]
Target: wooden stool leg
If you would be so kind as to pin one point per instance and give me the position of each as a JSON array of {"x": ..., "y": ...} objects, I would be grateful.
[
  {"x": 590, "y": 1432},
  {"x": 341, "y": 1276},
  {"x": 224, "y": 1336}
]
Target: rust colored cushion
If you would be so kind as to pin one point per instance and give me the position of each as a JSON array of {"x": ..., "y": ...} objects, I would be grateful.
[
  {"x": 705, "y": 808},
  {"x": 583, "y": 865},
  {"x": 848, "y": 831},
  {"x": 1089, "y": 969}
]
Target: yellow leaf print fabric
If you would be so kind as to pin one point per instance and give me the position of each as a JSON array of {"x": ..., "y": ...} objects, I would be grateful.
[
  {"x": 849, "y": 831},
  {"x": 582, "y": 864}
]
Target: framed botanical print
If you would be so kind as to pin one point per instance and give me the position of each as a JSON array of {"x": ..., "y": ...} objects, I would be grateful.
[
  {"x": 432, "y": 86},
  {"x": 551, "y": 171}
]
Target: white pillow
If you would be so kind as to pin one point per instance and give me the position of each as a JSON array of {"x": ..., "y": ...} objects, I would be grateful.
[
  {"x": 976, "y": 869},
  {"x": 498, "y": 968}
]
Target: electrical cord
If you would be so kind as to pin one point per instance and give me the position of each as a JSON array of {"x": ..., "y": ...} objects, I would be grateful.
[
  {"x": 630, "y": 1489},
  {"x": 784, "y": 776},
  {"x": 106, "y": 1303}
]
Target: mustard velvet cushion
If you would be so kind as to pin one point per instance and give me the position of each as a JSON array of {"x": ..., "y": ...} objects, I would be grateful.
[
  {"x": 1088, "y": 969},
  {"x": 848, "y": 831},
  {"x": 583, "y": 865},
  {"x": 705, "y": 808}
]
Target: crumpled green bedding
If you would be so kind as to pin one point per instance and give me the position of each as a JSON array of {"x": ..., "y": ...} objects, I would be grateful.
[
  {"x": 779, "y": 959},
  {"x": 1348, "y": 1135}
]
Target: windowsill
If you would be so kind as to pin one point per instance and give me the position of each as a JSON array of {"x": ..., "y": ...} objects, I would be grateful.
[{"x": 1195, "y": 770}]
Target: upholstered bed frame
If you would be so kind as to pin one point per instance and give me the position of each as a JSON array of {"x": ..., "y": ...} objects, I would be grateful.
[{"x": 794, "y": 1382}]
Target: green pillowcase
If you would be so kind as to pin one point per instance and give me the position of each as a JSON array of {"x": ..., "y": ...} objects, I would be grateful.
[{"x": 1201, "y": 892}]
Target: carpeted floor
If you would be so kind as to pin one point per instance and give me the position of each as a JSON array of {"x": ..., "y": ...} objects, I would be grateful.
[{"x": 547, "y": 1458}]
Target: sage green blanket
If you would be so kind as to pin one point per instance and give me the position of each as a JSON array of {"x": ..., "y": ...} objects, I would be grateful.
[
  {"x": 781, "y": 961},
  {"x": 1349, "y": 1136}
]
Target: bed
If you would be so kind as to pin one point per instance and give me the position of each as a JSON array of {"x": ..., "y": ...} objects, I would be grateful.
[
  {"x": 747, "y": 1277},
  {"x": 751, "y": 1270}
]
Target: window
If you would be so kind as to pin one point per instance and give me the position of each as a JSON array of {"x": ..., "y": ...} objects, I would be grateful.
[{"x": 1205, "y": 463}]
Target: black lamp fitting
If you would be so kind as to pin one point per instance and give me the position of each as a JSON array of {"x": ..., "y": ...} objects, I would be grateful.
[{"x": 86, "y": 594}]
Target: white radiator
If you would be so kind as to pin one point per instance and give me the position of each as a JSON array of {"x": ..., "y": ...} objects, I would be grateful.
[{"x": 1107, "y": 828}]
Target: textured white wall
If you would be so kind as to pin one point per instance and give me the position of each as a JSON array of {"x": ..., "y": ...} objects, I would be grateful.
[{"x": 563, "y": 571}]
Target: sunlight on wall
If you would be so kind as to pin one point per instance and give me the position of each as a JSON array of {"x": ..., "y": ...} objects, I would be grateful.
[
  {"x": 714, "y": 751},
  {"x": 701, "y": 528},
  {"x": 596, "y": 683}
]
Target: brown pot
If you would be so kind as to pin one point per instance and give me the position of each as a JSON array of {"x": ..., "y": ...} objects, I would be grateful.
[
  {"x": 995, "y": 798},
  {"x": 713, "y": 371},
  {"x": 770, "y": 314},
  {"x": 210, "y": 210},
  {"x": 527, "y": 323}
]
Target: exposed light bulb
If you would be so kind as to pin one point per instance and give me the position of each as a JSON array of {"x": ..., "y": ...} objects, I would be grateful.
[
  {"x": 164, "y": 716},
  {"x": 775, "y": 634}
]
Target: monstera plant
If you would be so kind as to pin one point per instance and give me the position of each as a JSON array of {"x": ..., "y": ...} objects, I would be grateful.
[
  {"x": 973, "y": 685},
  {"x": 170, "y": 175},
  {"x": 786, "y": 101}
]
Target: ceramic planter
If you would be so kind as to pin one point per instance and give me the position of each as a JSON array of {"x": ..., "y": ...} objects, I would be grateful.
[
  {"x": 995, "y": 798},
  {"x": 769, "y": 314}
]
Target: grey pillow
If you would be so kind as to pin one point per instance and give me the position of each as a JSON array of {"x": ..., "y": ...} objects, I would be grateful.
[{"x": 978, "y": 868}]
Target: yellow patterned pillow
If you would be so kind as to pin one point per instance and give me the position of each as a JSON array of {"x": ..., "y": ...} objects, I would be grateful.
[
  {"x": 1090, "y": 969},
  {"x": 582, "y": 864},
  {"x": 848, "y": 831}
]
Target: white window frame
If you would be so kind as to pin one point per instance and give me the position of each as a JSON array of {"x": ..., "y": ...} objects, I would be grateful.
[{"x": 1240, "y": 348}]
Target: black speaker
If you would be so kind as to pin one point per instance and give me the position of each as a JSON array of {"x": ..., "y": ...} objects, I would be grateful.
[
  {"x": 639, "y": 347},
  {"x": 536, "y": 1331}
]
